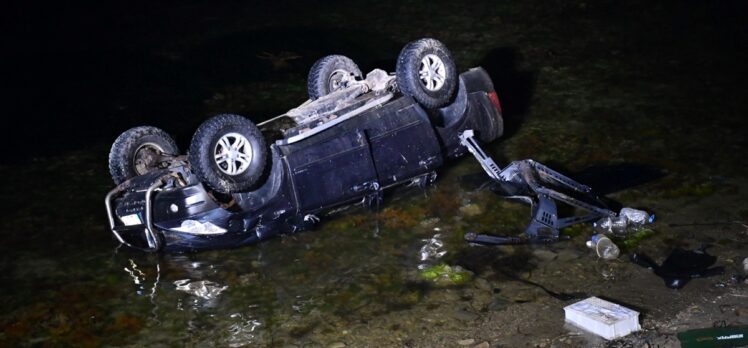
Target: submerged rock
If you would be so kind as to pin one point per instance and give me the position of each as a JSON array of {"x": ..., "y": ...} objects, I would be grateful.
[
  {"x": 466, "y": 342},
  {"x": 465, "y": 316},
  {"x": 544, "y": 255},
  {"x": 568, "y": 255},
  {"x": 482, "y": 284},
  {"x": 471, "y": 209}
]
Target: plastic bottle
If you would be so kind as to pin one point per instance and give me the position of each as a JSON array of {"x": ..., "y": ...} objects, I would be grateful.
[
  {"x": 628, "y": 220},
  {"x": 614, "y": 225},
  {"x": 636, "y": 218},
  {"x": 604, "y": 247}
]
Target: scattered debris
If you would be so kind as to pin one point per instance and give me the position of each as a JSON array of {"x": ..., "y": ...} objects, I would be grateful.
[
  {"x": 628, "y": 220},
  {"x": 539, "y": 186},
  {"x": 432, "y": 249},
  {"x": 204, "y": 289},
  {"x": 604, "y": 247},
  {"x": 603, "y": 318}
]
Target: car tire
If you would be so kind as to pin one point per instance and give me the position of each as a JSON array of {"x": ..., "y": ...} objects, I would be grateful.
[
  {"x": 426, "y": 71},
  {"x": 330, "y": 73},
  {"x": 138, "y": 151},
  {"x": 228, "y": 153}
]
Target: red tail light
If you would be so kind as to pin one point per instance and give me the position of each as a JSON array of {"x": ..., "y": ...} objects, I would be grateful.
[{"x": 494, "y": 100}]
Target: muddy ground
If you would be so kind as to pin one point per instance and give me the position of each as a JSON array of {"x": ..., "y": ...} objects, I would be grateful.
[{"x": 643, "y": 102}]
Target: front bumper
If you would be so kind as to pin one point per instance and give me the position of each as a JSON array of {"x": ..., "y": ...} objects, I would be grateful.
[
  {"x": 149, "y": 213},
  {"x": 137, "y": 229}
]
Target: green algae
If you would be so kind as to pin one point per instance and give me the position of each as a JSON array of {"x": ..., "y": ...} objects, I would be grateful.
[
  {"x": 575, "y": 230},
  {"x": 692, "y": 190},
  {"x": 633, "y": 240},
  {"x": 443, "y": 275}
]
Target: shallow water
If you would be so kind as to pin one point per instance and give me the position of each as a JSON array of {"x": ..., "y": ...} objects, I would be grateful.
[{"x": 651, "y": 115}]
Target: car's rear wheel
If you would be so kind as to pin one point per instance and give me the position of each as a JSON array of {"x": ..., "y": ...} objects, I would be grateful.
[
  {"x": 228, "y": 153},
  {"x": 331, "y": 73},
  {"x": 426, "y": 71},
  {"x": 140, "y": 150}
]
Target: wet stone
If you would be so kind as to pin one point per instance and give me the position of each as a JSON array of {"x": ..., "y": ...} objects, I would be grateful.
[
  {"x": 482, "y": 284},
  {"x": 466, "y": 342},
  {"x": 481, "y": 300},
  {"x": 336, "y": 345},
  {"x": 498, "y": 304},
  {"x": 521, "y": 295},
  {"x": 544, "y": 255},
  {"x": 741, "y": 311},
  {"x": 430, "y": 222},
  {"x": 568, "y": 255},
  {"x": 471, "y": 209},
  {"x": 465, "y": 315},
  {"x": 482, "y": 345},
  {"x": 506, "y": 249}
]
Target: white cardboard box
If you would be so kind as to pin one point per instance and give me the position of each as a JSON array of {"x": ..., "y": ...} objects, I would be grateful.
[{"x": 603, "y": 318}]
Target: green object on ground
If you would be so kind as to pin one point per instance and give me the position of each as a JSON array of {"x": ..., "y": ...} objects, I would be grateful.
[
  {"x": 714, "y": 337},
  {"x": 634, "y": 239},
  {"x": 443, "y": 274}
]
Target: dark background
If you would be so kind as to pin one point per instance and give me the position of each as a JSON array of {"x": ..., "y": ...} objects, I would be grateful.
[{"x": 80, "y": 74}]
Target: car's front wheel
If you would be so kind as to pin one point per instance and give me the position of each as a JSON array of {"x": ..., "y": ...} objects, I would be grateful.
[
  {"x": 426, "y": 71},
  {"x": 329, "y": 74},
  {"x": 140, "y": 150},
  {"x": 228, "y": 153}
]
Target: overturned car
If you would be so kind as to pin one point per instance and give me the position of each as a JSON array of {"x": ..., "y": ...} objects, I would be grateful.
[{"x": 355, "y": 137}]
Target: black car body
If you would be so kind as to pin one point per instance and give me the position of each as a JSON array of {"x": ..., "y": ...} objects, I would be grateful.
[{"x": 392, "y": 142}]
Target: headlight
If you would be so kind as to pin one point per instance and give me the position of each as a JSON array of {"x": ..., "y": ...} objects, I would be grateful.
[{"x": 197, "y": 227}]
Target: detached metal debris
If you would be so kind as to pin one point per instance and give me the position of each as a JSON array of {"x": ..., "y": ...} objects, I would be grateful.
[{"x": 541, "y": 187}]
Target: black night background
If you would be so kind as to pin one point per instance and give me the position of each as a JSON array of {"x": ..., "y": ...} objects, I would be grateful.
[{"x": 643, "y": 100}]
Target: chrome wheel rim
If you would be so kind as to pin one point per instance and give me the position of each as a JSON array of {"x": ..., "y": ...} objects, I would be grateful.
[
  {"x": 233, "y": 154},
  {"x": 338, "y": 79},
  {"x": 432, "y": 72},
  {"x": 145, "y": 158}
]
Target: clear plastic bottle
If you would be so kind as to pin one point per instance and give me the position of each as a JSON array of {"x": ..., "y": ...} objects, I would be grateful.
[
  {"x": 604, "y": 247},
  {"x": 636, "y": 218},
  {"x": 628, "y": 220},
  {"x": 608, "y": 225}
]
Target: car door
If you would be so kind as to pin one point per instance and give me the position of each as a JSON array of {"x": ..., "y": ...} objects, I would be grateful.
[
  {"x": 333, "y": 171},
  {"x": 403, "y": 142}
]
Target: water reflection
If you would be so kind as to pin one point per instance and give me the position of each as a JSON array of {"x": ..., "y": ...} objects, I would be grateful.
[
  {"x": 140, "y": 279},
  {"x": 190, "y": 292},
  {"x": 243, "y": 330},
  {"x": 204, "y": 289}
]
